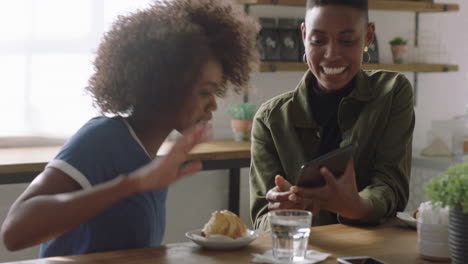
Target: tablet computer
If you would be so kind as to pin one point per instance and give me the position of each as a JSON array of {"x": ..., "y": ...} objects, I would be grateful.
[{"x": 335, "y": 161}]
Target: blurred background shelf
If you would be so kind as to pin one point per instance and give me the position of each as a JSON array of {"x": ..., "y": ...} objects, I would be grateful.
[
  {"x": 414, "y": 67},
  {"x": 411, "y": 6}
]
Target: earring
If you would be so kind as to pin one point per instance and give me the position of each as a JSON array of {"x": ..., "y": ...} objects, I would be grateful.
[
  {"x": 304, "y": 58},
  {"x": 366, "y": 55}
]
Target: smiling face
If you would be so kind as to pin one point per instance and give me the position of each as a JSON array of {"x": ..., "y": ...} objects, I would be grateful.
[
  {"x": 334, "y": 38},
  {"x": 202, "y": 102}
]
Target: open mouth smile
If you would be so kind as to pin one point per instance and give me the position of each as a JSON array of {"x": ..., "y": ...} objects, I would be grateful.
[{"x": 333, "y": 70}]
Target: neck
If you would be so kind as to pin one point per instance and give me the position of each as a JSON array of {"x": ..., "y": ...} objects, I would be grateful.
[{"x": 151, "y": 132}]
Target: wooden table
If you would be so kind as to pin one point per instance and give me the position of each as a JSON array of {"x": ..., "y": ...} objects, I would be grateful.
[
  {"x": 21, "y": 165},
  {"x": 389, "y": 242}
]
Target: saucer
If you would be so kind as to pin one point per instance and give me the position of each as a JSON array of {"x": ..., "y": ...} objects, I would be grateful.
[
  {"x": 219, "y": 242},
  {"x": 407, "y": 219}
]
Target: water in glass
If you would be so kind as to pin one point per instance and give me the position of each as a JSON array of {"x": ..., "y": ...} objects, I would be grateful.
[{"x": 290, "y": 238}]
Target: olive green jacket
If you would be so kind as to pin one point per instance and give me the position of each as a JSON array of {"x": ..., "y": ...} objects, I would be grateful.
[{"x": 377, "y": 116}]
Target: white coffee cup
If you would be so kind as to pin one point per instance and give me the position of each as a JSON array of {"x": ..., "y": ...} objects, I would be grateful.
[{"x": 433, "y": 241}]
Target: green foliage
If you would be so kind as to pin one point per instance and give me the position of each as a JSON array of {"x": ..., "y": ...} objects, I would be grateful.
[
  {"x": 398, "y": 41},
  {"x": 242, "y": 111},
  {"x": 450, "y": 188}
]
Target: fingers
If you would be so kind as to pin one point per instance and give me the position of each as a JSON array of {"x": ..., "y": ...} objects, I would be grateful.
[
  {"x": 315, "y": 208},
  {"x": 208, "y": 133},
  {"x": 349, "y": 173},
  {"x": 308, "y": 193},
  {"x": 330, "y": 179},
  {"x": 189, "y": 168},
  {"x": 195, "y": 135},
  {"x": 280, "y": 192},
  {"x": 275, "y": 195},
  {"x": 300, "y": 200},
  {"x": 282, "y": 183},
  {"x": 284, "y": 205},
  {"x": 320, "y": 193},
  {"x": 307, "y": 204},
  {"x": 190, "y": 138},
  {"x": 350, "y": 165},
  {"x": 295, "y": 198}
]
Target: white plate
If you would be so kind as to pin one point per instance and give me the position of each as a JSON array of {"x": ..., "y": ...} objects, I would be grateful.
[
  {"x": 220, "y": 242},
  {"x": 407, "y": 219}
]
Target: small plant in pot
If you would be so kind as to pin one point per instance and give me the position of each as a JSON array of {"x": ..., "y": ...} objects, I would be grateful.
[
  {"x": 451, "y": 188},
  {"x": 242, "y": 115},
  {"x": 398, "y": 46}
]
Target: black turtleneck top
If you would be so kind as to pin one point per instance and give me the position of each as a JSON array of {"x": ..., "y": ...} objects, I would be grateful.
[{"x": 324, "y": 106}]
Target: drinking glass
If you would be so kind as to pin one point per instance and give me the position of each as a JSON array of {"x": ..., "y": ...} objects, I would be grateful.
[{"x": 290, "y": 233}]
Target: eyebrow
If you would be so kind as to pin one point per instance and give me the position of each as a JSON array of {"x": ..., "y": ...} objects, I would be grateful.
[
  {"x": 341, "y": 32},
  {"x": 210, "y": 83},
  {"x": 318, "y": 31}
]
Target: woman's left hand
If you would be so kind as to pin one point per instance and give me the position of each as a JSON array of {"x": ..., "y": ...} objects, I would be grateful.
[
  {"x": 162, "y": 172},
  {"x": 337, "y": 195}
]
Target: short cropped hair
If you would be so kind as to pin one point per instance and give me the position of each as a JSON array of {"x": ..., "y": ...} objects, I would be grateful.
[
  {"x": 361, "y": 5},
  {"x": 151, "y": 58}
]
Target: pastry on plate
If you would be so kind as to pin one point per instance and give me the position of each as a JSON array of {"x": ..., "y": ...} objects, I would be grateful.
[{"x": 225, "y": 223}]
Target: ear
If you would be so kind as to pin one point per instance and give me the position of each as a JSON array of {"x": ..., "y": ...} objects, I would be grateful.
[
  {"x": 303, "y": 30},
  {"x": 370, "y": 33}
]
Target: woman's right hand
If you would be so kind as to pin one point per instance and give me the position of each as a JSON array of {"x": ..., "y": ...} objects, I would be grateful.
[
  {"x": 163, "y": 171},
  {"x": 278, "y": 196}
]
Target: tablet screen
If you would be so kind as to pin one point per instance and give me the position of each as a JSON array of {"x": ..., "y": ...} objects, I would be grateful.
[{"x": 335, "y": 161}]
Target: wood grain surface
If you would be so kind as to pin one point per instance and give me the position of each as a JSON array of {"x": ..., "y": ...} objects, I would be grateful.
[
  {"x": 390, "y": 243},
  {"x": 34, "y": 159}
]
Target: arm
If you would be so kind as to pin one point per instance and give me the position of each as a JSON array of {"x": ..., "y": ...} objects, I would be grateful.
[
  {"x": 263, "y": 168},
  {"x": 268, "y": 189},
  {"x": 389, "y": 187},
  {"x": 54, "y": 203}
]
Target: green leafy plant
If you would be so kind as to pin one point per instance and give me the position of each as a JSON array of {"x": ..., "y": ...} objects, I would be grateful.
[
  {"x": 451, "y": 187},
  {"x": 242, "y": 111},
  {"x": 398, "y": 41}
]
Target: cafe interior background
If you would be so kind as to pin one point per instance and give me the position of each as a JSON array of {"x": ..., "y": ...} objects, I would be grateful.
[{"x": 46, "y": 50}]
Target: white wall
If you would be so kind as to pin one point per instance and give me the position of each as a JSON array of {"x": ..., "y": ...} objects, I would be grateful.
[
  {"x": 444, "y": 95},
  {"x": 440, "y": 96},
  {"x": 442, "y": 39}
]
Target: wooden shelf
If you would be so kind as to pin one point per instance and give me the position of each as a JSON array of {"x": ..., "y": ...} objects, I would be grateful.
[
  {"x": 414, "y": 67},
  {"x": 411, "y": 6}
]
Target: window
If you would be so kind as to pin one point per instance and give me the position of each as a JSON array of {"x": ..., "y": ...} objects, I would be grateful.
[{"x": 46, "y": 52}]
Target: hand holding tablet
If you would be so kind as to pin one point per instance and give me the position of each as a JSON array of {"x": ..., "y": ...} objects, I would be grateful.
[{"x": 334, "y": 161}]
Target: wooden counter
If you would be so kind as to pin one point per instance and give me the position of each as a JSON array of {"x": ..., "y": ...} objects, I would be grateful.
[
  {"x": 21, "y": 165},
  {"x": 34, "y": 159}
]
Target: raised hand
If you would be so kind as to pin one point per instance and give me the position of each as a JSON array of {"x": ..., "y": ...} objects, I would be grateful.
[{"x": 168, "y": 169}]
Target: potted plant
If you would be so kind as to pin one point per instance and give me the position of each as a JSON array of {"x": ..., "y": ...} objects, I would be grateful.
[
  {"x": 242, "y": 115},
  {"x": 398, "y": 46},
  {"x": 451, "y": 188}
]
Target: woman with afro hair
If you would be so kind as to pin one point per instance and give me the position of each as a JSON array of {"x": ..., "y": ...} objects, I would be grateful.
[{"x": 156, "y": 70}]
